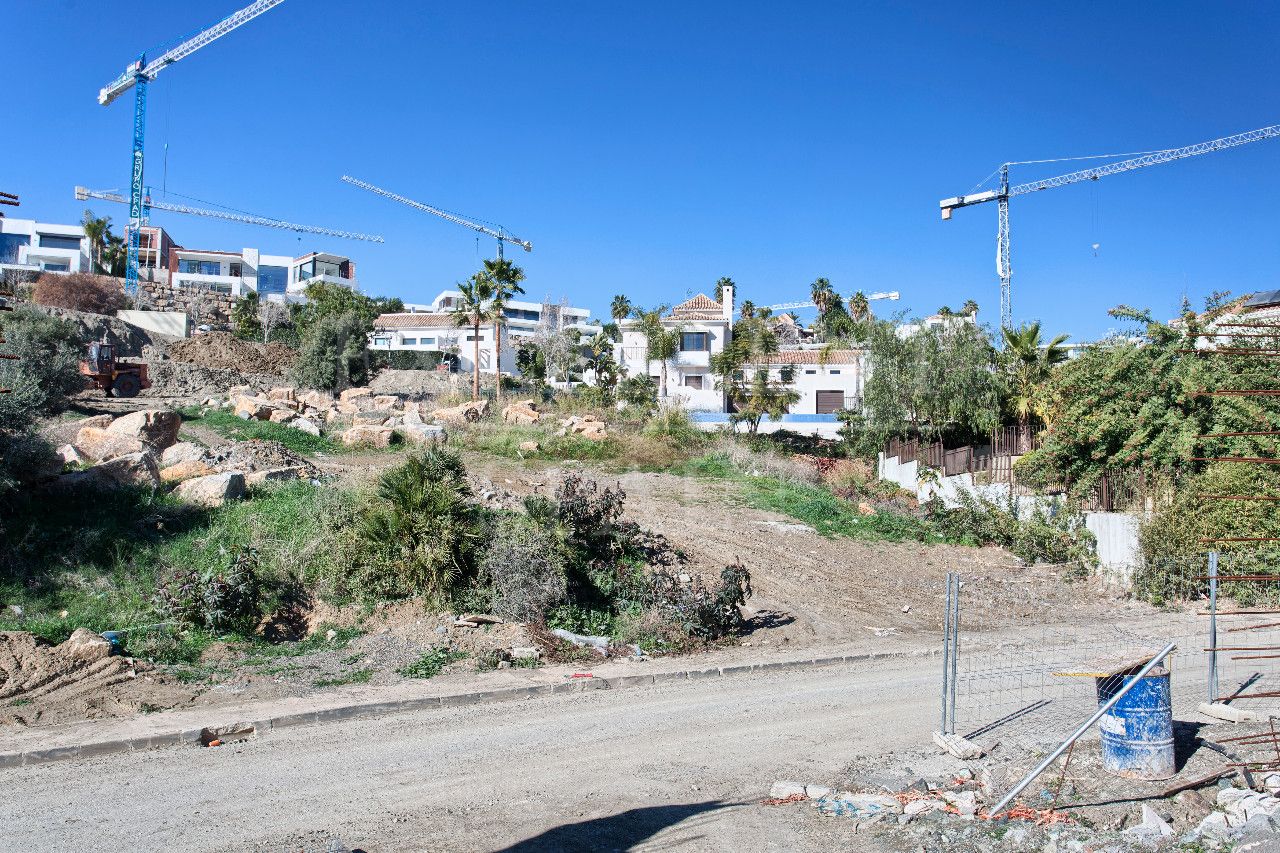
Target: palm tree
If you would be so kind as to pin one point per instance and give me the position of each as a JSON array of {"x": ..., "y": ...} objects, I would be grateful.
[
  {"x": 748, "y": 309},
  {"x": 505, "y": 277},
  {"x": 621, "y": 307},
  {"x": 969, "y": 308},
  {"x": 1029, "y": 364},
  {"x": 115, "y": 256},
  {"x": 96, "y": 231},
  {"x": 472, "y": 309},
  {"x": 721, "y": 283},
  {"x": 661, "y": 344},
  {"x": 822, "y": 294},
  {"x": 859, "y": 306}
]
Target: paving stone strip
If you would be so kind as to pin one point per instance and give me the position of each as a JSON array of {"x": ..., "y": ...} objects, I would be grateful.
[{"x": 218, "y": 717}]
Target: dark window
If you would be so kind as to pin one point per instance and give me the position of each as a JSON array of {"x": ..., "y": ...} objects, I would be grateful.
[
  {"x": 57, "y": 241},
  {"x": 810, "y": 372},
  {"x": 236, "y": 269},
  {"x": 835, "y": 373},
  {"x": 787, "y": 374},
  {"x": 272, "y": 280},
  {"x": 829, "y": 402},
  {"x": 693, "y": 380},
  {"x": 200, "y": 267},
  {"x": 693, "y": 342},
  {"x": 9, "y": 245}
]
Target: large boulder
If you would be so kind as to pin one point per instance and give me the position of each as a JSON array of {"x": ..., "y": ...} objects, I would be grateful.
[
  {"x": 133, "y": 469},
  {"x": 374, "y": 436},
  {"x": 183, "y": 451},
  {"x": 316, "y": 399},
  {"x": 252, "y": 408},
  {"x": 156, "y": 428},
  {"x": 287, "y": 394},
  {"x": 96, "y": 444},
  {"x": 99, "y": 421},
  {"x": 468, "y": 412},
  {"x": 353, "y": 393},
  {"x": 369, "y": 418},
  {"x": 283, "y": 416},
  {"x": 386, "y": 402},
  {"x": 84, "y": 646},
  {"x": 423, "y": 435},
  {"x": 213, "y": 490},
  {"x": 587, "y": 426},
  {"x": 521, "y": 412},
  {"x": 71, "y": 456},
  {"x": 306, "y": 425},
  {"x": 187, "y": 470}
]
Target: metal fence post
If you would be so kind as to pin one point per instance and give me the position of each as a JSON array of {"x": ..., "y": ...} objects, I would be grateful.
[
  {"x": 1213, "y": 627},
  {"x": 946, "y": 656},
  {"x": 955, "y": 653}
]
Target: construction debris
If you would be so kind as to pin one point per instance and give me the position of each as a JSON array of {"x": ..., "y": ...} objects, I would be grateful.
[{"x": 521, "y": 412}]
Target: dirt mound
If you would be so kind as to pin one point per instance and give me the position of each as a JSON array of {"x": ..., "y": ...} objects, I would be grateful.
[
  {"x": 225, "y": 351},
  {"x": 31, "y": 669},
  {"x": 256, "y": 455},
  {"x": 418, "y": 384},
  {"x": 130, "y": 341},
  {"x": 196, "y": 381}
]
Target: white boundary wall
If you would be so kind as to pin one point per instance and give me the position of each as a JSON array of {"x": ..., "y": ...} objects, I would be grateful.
[
  {"x": 1116, "y": 532},
  {"x": 175, "y": 323}
]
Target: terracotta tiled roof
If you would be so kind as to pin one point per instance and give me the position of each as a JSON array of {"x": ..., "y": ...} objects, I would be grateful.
[
  {"x": 414, "y": 320},
  {"x": 813, "y": 356},
  {"x": 700, "y": 307}
]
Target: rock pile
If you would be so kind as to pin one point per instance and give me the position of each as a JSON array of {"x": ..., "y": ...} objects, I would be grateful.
[
  {"x": 375, "y": 419},
  {"x": 521, "y": 412},
  {"x": 587, "y": 426}
]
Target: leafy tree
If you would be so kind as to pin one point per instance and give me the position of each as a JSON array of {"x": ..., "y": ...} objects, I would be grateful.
[
  {"x": 600, "y": 359},
  {"x": 334, "y": 352},
  {"x": 721, "y": 283},
  {"x": 45, "y": 371},
  {"x": 96, "y": 231},
  {"x": 748, "y": 308},
  {"x": 1027, "y": 367},
  {"x": 620, "y": 308},
  {"x": 761, "y": 395},
  {"x": 244, "y": 317},
  {"x": 475, "y": 307},
  {"x": 937, "y": 382},
  {"x": 506, "y": 278},
  {"x": 662, "y": 344}
]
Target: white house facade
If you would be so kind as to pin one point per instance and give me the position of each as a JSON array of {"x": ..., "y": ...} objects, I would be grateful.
[
  {"x": 429, "y": 331},
  {"x": 705, "y": 327},
  {"x": 524, "y": 319},
  {"x": 42, "y": 246}
]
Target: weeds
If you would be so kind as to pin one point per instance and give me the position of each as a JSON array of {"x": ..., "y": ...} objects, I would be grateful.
[
  {"x": 431, "y": 663},
  {"x": 360, "y": 676},
  {"x": 230, "y": 426}
]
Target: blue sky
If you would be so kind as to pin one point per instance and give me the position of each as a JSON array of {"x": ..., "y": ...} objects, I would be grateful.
[{"x": 648, "y": 149}]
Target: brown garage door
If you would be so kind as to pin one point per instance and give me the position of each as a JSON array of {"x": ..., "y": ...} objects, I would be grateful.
[{"x": 830, "y": 401}]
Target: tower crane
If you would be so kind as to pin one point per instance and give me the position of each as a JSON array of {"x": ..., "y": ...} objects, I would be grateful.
[
  {"x": 136, "y": 76},
  {"x": 248, "y": 219},
  {"x": 787, "y": 306},
  {"x": 1006, "y": 192},
  {"x": 502, "y": 235}
]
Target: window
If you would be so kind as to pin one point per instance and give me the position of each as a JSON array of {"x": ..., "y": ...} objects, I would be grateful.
[
  {"x": 9, "y": 245},
  {"x": 381, "y": 341},
  {"x": 835, "y": 373},
  {"x": 693, "y": 342},
  {"x": 787, "y": 374},
  {"x": 473, "y": 337},
  {"x": 56, "y": 268},
  {"x": 272, "y": 280},
  {"x": 236, "y": 269},
  {"x": 200, "y": 267},
  {"x": 409, "y": 342},
  {"x": 693, "y": 380},
  {"x": 58, "y": 241},
  {"x": 427, "y": 342},
  {"x": 810, "y": 372}
]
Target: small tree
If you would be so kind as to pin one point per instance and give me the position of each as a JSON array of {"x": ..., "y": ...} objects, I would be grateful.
[
  {"x": 506, "y": 278},
  {"x": 761, "y": 396},
  {"x": 661, "y": 344},
  {"x": 272, "y": 316},
  {"x": 244, "y": 317},
  {"x": 45, "y": 370},
  {"x": 333, "y": 353}
]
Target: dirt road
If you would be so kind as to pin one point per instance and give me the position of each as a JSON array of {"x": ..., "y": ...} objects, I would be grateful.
[{"x": 666, "y": 767}]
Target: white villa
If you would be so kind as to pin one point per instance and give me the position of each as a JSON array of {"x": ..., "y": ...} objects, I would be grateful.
[{"x": 827, "y": 380}]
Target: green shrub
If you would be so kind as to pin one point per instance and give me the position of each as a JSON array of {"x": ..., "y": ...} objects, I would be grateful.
[
  {"x": 221, "y": 600},
  {"x": 673, "y": 423},
  {"x": 701, "y": 610},
  {"x": 589, "y": 514},
  {"x": 401, "y": 359},
  {"x": 525, "y": 564},
  {"x": 431, "y": 663},
  {"x": 333, "y": 352},
  {"x": 46, "y": 368},
  {"x": 639, "y": 391},
  {"x": 419, "y": 530},
  {"x": 1043, "y": 537}
]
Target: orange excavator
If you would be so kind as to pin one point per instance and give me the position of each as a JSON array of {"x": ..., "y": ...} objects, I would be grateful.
[{"x": 103, "y": 369}]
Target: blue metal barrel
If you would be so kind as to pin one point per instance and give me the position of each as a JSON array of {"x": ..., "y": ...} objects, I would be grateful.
[{"x": 1137, "y": 734}]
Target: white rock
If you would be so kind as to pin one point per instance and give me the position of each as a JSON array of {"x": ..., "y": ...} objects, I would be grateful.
[
  {"x": 212, "y": 491},
  {"x": 183, "y": 451},
  {"x": 1152, "y": 828},
  {"x": 780, "y": 790},
  {"x": 306, "y": 425},
  {"x": 816, "y": 792}
]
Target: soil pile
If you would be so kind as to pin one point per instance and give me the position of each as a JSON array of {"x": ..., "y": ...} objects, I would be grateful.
[
  {"x": 257, "y": 455},
  {"x": 198, "y": 382},
  {"x": 36, "y": 676},
  {"x": 225, "y": 351}
]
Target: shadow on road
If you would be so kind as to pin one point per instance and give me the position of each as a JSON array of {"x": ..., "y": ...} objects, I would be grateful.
[{"x": 621, "y": 831}]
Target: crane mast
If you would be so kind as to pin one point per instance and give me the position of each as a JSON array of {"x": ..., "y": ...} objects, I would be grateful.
[
  {"x": 148, "y": 205},
  {"x": 136, "y": 76},
  {"x": 1006, "y": 192},
  {"x": 500, "y": 234}
]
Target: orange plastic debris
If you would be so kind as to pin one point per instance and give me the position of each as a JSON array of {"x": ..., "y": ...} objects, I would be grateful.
[
  {"x": 215, "y": 742},
  {"x": 783, "y": 801}
]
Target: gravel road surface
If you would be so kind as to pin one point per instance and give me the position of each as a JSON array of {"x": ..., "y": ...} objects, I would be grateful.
[{"x": 669, "y": 767}]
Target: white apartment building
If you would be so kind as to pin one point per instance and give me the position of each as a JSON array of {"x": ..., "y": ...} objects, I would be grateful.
[
  {"x": 827, "y": 380},
  {"x": 42, "y": 246},
  {"x": 279, "y": 277},
  {"x": 524, "y": 319},
  {"x": 436, "y": 331}
]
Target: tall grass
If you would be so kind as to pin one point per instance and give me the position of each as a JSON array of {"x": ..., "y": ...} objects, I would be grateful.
[{"x": 230, "y": 426}]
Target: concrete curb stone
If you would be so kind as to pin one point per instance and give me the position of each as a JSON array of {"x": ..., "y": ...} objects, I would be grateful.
[{"x": 94, "y": 749}]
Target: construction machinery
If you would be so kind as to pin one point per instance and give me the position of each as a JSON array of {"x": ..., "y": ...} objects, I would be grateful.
[
  {"x": 789, "y": 306},
  {"x": 136, "y": 76},
  {"x": 121, "y": 378},
  {"x": 501, "y": 234},
  {"x": 148, "y": 205},
  {"x": 1006, "y": 192}
]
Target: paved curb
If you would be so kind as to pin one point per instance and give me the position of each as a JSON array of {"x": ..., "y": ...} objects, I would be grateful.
[{"x": 365, "y": 710}]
